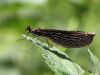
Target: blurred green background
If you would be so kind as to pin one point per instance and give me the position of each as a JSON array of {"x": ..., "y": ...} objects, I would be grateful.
[{"x": 18, "y": 58}]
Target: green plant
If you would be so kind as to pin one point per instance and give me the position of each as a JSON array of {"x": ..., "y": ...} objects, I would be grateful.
[{"x": 60, "y": 63}]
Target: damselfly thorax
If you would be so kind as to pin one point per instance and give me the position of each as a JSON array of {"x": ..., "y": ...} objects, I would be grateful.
[{"x": 68, "y": 39}]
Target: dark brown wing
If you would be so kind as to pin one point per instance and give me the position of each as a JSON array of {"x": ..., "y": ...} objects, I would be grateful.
[{"x": 71, "y": 39}]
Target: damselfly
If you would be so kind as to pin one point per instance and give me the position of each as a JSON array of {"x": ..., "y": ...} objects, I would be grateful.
[{"x": 68, "y": 39}]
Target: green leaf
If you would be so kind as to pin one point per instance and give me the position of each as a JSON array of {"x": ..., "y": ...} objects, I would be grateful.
[
  {"x": 61, "y": 66},
  {"x": 95, "y": 62},
  {"x": 58, "y": 61}
]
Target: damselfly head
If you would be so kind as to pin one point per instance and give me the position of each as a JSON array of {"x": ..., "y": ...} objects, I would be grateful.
[{"x": 29, "y": 29}]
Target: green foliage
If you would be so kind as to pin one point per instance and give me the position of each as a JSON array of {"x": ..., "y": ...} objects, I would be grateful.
[
  {"x": 15, "y": 15},
  {"x": 58, "y": 61},
  {"x": 95, "y": 63}
]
